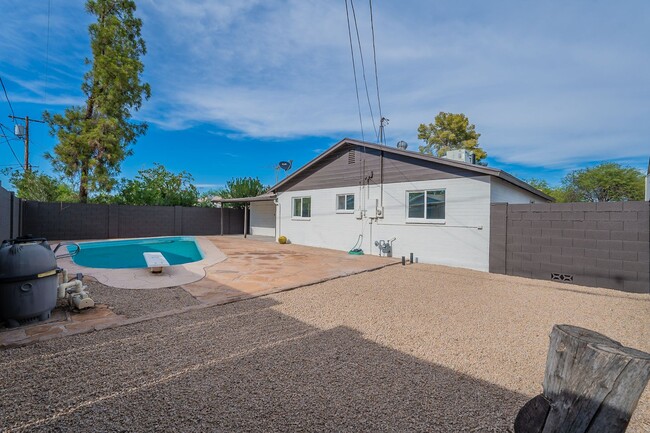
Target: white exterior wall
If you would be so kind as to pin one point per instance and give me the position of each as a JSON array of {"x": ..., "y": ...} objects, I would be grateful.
[
  {"x": 505, "y": 192},
  {"x": 463, "y": 239},
  {"x": 262, "y": 216}
]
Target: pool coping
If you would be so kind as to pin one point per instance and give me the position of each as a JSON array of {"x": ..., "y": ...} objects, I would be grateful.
[{"x": 142, "y": 278}]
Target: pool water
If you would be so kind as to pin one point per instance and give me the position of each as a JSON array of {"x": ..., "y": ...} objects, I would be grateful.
[{"x": 128, "y": 253}]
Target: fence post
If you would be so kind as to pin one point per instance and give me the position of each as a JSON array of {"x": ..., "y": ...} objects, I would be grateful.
[
  {"x": 178, "y": 220},
  {"x": 498, "y": 249},
  {"x": 113, "y": 221}
]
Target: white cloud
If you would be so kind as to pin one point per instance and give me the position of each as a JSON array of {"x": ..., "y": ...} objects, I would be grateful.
[{"x": 546, "y": 84}]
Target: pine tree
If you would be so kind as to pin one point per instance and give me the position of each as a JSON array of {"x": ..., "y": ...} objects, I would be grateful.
[{"x": 94, "y": 139}]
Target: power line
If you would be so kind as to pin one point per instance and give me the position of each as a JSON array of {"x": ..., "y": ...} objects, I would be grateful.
[
  {"x": 2, "y": 128},
  {"x": 47, "y": 50},
  {"x": 354, "y": 70},
  {"x": 7, "y": 97},
  {"x": 363, "y": 69},
  {"x": 374, "y": 57}
]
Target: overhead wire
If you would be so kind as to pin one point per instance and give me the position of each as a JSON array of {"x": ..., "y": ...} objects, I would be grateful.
[
  {"x": 354, "y": 70},
  {"x": 2, "y": 128},
  {"x": 8, "y": 101},
  {"x": 363, "y": 69},
  {"x": 47, "y": 50},
  {"x": 374, "y": 57}
]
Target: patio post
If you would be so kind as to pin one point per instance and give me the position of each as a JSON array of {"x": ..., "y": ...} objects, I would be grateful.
[
  {"x": 245, "y": 220},
  {"x": 221, "y": 219}
]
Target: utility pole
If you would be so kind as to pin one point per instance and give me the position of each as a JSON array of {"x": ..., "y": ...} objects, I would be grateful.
[
  {"x": 26, "y": 135},
  {"x": 382, "y": 123}
]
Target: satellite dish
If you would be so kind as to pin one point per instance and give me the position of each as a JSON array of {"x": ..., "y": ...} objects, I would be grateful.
[
  {"x": 402, "y": 145},
  {"x": 285, "y": 165}
]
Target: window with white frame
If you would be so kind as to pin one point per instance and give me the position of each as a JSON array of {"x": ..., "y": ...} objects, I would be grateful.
[
  {"x": 426, "y": 206},
  {"x": 345, "y": 202},
  {"x": 301, "y": 207}
]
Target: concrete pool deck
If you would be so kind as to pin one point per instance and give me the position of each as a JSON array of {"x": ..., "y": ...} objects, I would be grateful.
[{"x": 242, "y": 269}]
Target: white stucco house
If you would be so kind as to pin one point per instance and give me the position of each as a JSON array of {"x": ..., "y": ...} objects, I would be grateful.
[{"x": 356, "y": 194}]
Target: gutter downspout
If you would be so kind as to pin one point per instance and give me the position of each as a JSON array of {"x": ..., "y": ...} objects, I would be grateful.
[{"x": 381, "y": 179}]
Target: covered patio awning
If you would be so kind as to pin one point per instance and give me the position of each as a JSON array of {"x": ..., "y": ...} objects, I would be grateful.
[
  {"x": 269, "y": 196},
  {"x": 263, "y": 197}
]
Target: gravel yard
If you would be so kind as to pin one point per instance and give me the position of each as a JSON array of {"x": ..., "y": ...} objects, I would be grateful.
[
  {"x": 134, "y": 303},
  {"x": 417, "y": 348}
]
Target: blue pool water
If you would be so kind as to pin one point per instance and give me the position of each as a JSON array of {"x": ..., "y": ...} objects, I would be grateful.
[{"x": 128, "y": 253}]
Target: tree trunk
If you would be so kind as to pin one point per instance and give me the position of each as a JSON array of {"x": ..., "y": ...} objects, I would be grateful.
[
  {"x": 83, "y": 184},
  {"x": 592, "y": 385}
]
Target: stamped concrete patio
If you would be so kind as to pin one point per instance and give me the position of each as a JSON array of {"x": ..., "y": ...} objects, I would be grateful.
[
  {"x": 256, "y": 267},
  {"x": 252, "y": 268}
]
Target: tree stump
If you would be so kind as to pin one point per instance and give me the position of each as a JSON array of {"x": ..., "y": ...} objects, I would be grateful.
[{"x": 592, "y": 385}]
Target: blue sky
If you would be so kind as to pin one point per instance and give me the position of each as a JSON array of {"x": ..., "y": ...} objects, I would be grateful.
[{"x": 238, "y": 85}]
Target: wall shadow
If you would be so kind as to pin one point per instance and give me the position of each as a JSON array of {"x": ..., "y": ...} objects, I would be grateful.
[{"x": 240, "y": 367}]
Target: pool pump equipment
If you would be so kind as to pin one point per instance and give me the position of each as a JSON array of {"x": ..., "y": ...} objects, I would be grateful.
[
  {"x": 29, "y": 282},
  {"x": 74, "y": 292}
]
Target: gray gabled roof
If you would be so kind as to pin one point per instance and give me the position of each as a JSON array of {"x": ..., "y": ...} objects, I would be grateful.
[{"x": 415, "y": 155}]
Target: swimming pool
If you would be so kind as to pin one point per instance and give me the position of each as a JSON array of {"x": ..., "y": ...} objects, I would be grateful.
[{"x": 128, "y": 253}]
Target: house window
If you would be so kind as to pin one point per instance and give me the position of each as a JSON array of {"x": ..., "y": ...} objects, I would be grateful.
[
  {"x": 345, "y": 203},
  {"x": 426, "y": 206},
  {"x": 302, "y": 207}
]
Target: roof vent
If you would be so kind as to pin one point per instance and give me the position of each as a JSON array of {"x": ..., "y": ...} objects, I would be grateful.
[
  {"x": 402, "y": 145},
  {"x": 462, "y": 155},
  {"x": 351, "y": 156}
]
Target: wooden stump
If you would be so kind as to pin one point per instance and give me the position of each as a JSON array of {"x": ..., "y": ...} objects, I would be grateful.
[{"x": 592, "y": 385}]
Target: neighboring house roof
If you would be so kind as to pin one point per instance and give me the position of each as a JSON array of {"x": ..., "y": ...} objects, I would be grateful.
[{"x": 415, "y": 155}]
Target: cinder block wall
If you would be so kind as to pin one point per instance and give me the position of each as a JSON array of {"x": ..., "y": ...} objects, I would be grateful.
[
  {"x": 76, "y": 221},
  {"x": 591, "y": 244},
  {"x": 9, "y": 215}
]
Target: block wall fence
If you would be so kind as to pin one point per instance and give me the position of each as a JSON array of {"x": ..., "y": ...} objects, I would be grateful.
[
  {"x": 591, "y": 244},
  {"x": 77, "y": 221}
]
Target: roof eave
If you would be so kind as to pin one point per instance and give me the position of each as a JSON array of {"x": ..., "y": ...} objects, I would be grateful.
[
  {"x": 458, "y": 164},
  {"x": 265, "y": 197}
]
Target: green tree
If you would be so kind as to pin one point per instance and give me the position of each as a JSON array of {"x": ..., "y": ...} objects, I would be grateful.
[
  {"x": 608, "y": 181},
  {"x": 541, "y": 185},
  {"x": 32, "y": 185},
  {"x": 558, "y": 193},
  {"x": 94, "y": 139},
  {"x": 159, "y": 187},
  {"x": 240, "y": 187},
  {"x": 450, "y": 131}
]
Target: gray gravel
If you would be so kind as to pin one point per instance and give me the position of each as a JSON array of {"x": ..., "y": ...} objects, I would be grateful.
[
  {"x": 135, "y": 303},
  {"x": 421, "y": 348}
]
